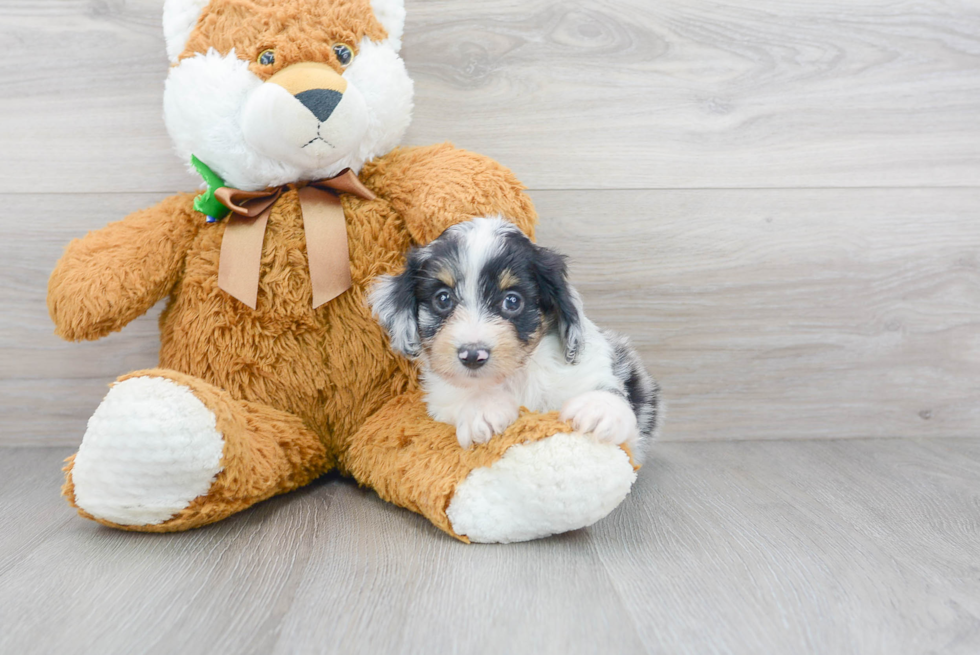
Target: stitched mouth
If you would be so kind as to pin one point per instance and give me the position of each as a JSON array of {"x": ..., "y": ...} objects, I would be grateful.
[{"x": 319, "y": 138}]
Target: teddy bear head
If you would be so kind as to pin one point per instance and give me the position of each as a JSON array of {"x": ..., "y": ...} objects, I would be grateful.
[{"x": 269, "y": 92}]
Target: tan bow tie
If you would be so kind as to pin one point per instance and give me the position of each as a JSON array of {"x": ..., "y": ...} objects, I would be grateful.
[{"x": 323, "y": 223}]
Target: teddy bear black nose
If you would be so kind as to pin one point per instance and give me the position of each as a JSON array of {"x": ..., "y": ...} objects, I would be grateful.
[
  {"x": 474, "y": 355},
  {"x": 321, "y": 102}
]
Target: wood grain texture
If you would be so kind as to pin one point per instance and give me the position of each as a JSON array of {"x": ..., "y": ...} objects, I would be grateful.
[
  {"x": 764, "y": 313},
  {"x": 860, "y": 546},
  {"x": 779, "y": 310},
  {"x": 756, "y": 539},
  {"x": 591, "y": 94},
  {"x": 788, "y": 313},
  {"x": 49, "y": 388}
]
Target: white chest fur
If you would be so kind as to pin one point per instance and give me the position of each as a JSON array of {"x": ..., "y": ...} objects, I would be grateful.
[{"x": 545, "y": 383}]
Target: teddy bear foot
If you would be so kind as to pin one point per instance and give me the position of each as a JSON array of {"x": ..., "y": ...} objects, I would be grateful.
[
  {"x": 150, "y": 449},
  {"x": 561, "y": 483}
]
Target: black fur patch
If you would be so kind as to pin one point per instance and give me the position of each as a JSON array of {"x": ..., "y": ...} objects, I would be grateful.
[
  {"x": 558, "y": 300},
  {"x": 642, "y": 392},
  {"x": 442, "y": 255},
  {"x": 517, "y": 258},
  {"x": 541, "y": 277},
  {"x": 395, "y": 306}
]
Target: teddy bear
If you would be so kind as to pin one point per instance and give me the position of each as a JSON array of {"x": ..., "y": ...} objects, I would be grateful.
[{"x": 272, "y": 370}]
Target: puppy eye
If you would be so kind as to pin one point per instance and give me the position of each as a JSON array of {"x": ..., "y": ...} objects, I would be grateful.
[
  {"x": 267, "y": 58},
  {"x": 513, "y": 303},
  {"x": 344, "y": 54},
  {"x": 443, "y": 301}
]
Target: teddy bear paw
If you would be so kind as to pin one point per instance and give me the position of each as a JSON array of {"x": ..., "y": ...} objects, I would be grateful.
[
  {"x": 561, "y": 483},
  {"x": 151, "y": 447}
]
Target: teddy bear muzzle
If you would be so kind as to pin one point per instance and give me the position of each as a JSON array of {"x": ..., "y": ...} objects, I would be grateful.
[{"x": 306, "y": 114}]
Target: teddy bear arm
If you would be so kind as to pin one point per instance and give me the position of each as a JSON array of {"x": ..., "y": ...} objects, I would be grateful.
[
  {"x": 435, "y": 187},
  {"x": 115, "y": 274}
]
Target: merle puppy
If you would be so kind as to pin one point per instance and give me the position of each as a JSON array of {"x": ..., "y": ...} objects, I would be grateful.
[{"x": 496, "y": 326}]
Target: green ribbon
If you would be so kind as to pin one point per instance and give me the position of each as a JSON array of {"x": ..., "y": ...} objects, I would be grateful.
[{"x": 206, "y": 203}]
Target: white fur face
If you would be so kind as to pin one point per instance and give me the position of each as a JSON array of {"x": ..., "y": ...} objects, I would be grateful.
[
  {"x": 475, "y": 303},
  {"x": 477, "y": 340},
  {"x": 256, "y": 134}
]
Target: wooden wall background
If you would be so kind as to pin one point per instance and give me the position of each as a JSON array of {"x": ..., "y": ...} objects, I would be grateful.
[{"x": 780, "y": 201}]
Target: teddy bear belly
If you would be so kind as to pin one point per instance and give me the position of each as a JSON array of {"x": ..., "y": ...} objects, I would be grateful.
[
  {"x": 332, "y": 377},
  {"x": 331, "y": 366}
]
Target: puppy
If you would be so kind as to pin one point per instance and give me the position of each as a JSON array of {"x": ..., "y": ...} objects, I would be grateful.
[{"x": 496, "y": 326}]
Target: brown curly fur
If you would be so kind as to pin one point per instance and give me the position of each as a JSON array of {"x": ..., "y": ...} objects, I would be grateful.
[
  {"x": 293, "y": 387},
  {"x": 298, "y": 30},
  {"x": 296, "y": 391}
]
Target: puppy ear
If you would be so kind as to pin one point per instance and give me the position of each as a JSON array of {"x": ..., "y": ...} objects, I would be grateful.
[
  {"x": 560, "y": 300},
  {"x": 393, "y": 302}
]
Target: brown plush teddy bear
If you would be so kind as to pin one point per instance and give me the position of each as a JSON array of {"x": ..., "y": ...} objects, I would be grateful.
[{"x": 272, "y": 369}]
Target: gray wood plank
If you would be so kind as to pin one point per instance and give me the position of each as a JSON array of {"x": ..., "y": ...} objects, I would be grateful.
[
  {"x": 543, "y": 597},
  {"x": 788, "y": 313},
  {"x": 730, "y": 547},
  {"x": 889, "y": 495},
  {"x": 28, "y": 347},
  {"x": 49, "y": 388},
  {"x": 328, "y": 569},
  {"x": 30, "y": 501},
  {"x": 765, "y": 314},
  {"x": 829, "y": 547},
  {"x": 592, "y": 94}
]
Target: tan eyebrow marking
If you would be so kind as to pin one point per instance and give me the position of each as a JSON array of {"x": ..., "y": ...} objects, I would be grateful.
[
  {"x": 446, "y": 277},
  {"x": 508, "y": 279}
]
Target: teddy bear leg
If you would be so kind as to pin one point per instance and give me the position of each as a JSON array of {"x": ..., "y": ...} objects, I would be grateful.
[
  {"x": 537, "y": 479},
  {"x": 165, "y": 452}
]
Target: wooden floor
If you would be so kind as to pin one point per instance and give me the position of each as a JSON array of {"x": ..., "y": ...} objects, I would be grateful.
[
  {"x": 777, "y": 200},
  {"x": 854, "y": 546}
]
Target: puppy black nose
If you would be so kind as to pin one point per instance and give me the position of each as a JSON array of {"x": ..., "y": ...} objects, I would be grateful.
[
  {"x": 321, "y": 102},
  {"x": 474, "y": 355}
]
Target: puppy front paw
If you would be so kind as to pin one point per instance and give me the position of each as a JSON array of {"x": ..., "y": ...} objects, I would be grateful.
[
  {"x": 606, "y": 415},
  {"x": 479, "y": 424}
]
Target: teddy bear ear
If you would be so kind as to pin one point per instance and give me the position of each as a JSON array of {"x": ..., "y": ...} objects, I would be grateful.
[
  {"x": 391, "y": 14},
  {"x": 179, "y": 19}
]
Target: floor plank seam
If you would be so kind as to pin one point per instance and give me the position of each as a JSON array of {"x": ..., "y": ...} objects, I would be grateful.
[{"x": 628, "y": 607}]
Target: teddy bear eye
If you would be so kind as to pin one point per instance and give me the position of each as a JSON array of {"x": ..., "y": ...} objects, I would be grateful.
[
  {"x": 267, "y": 58},
  {"x": 344, "y": 54}
]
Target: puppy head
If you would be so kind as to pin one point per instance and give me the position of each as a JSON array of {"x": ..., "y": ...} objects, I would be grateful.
[
  {"x": 269, "y": 92},
  {"x": 475, "y": 302}
]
